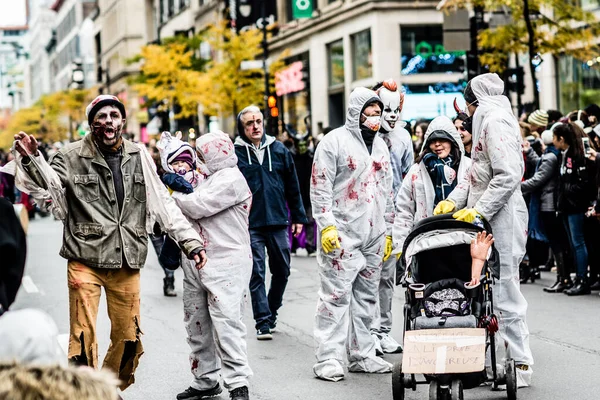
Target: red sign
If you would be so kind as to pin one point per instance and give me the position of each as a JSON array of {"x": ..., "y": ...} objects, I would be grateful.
[{"x": 289, "y": 80}]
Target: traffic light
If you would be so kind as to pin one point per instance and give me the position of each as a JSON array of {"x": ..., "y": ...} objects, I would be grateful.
[
  {"x": 272, "y": 103},
  {"x": 273, "y": 121}
]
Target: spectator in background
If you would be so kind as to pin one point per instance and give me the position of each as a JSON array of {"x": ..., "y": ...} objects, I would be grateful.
[
  {"x": 553, "y": 117},
  {"x": 271, "y": 175},
  {"x": 538, "y": 120},
  {"x": 592, "y": 226},
  {"x": 420, "y": 129},
  {"x": 573, "y": 198},
  {"x": 593, "y": 112},
  {"x": 7, "y": 181},
  {"x": 582, "y": 120},
  {"x": 465, "y": 135},
  {"x": 303, "y": 159},
  {"x": 543, "y": 223}
]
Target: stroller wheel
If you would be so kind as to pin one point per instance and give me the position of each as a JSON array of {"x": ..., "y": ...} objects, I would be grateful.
[
  {"x": 397, "y": 382},
  {"x": 511, "y": 379},
  {"x": 434, "y": 390},
  {"x": 456, "y": 390}
]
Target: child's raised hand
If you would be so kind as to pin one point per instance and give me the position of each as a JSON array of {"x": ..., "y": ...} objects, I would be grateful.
[{"x": 480, "y": 246}]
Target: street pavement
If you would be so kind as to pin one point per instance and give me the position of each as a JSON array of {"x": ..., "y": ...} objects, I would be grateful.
[{"x": 565, "y": 335}]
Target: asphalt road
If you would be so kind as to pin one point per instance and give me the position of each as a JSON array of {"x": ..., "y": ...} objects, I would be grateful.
[{"x": 565, "y": 336}]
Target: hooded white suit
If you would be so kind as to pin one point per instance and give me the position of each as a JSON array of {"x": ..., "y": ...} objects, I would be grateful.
[
  {"x": 214, "y": 296},
  {"x": 351, "y": 190},
  {"x": 494, "y": 190},
  {"x": 415, "y": 200},
  {"x": 402, "y": 157}
]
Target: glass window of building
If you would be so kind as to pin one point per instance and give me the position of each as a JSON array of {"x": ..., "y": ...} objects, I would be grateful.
[
  {"x": 335, "y": 54},
  {"x": 362, "y": 62},
  {"x": 422, "y": 51}
]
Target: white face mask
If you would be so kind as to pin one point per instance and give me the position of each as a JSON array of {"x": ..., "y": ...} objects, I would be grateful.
[
  {"x": 391, "y": 108},
  {"x": 373, "y": 122}
]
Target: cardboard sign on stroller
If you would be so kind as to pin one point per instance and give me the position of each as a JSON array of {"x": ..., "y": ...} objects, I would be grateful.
[{"x": 444, "y": 351}]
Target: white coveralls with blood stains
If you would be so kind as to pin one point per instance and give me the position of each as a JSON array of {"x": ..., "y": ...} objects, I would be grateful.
[
  {"x": 494, "y": 190},
  {"x": 214, "y": 297},
  {"x": 399, "y": 143},
  {"x": 351, "y": 190}
]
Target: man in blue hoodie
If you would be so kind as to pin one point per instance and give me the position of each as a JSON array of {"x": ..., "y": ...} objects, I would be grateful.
[{"x": 271, "y": 175}]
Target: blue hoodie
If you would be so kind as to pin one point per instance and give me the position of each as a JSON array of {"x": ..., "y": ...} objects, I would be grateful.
[{"x": 273, "y": 182}]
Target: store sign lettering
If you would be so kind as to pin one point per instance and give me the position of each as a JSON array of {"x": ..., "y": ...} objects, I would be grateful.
[
  {"x": 426, "y": 50},
  {"x": 289, "y": 80}
]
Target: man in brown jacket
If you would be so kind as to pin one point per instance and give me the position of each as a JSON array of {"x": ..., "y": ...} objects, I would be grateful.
[{"x": 102, "y": 179}]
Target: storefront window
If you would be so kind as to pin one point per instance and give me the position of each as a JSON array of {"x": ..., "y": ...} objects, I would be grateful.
[
  {"x": 579, "y": 83},
  {"x": 423, "y": 51},
  {"x": 362, "y": 66},
  {"x": 335, "y": 53},
  {"x": 590, "y": 4},
  {"x": 296, "y": 104}
]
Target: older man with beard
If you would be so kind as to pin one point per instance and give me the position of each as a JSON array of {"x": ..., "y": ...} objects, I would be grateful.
[{"x": 102, "y": 181}]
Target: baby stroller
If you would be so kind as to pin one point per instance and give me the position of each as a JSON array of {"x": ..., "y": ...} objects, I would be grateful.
[{"x": 435, "y": 264}]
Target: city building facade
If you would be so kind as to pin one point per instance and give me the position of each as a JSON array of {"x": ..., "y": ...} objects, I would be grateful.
[{"x": 121, "y": 28}]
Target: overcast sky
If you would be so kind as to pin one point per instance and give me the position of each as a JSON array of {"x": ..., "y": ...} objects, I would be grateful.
[{"x": 13, "y": 13}]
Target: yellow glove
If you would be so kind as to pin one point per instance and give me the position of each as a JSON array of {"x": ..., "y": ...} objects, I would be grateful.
[
  {"x": 398, "y": 256},
  {"x": 444, "y": 207},
  {"x": 389, "y": 246},
  {"x": 330, "y": 239},
  {"x": 467, "y": 215}
]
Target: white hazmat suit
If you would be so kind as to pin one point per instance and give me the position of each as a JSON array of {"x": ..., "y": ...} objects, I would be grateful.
[
  {"x": 415, "y": 200},
  {"x": 494, "y": 190},
  {"x": 214, "y": 296},
  {"x": 400, "y": 146},
  {"x": 351, "y": 190}
]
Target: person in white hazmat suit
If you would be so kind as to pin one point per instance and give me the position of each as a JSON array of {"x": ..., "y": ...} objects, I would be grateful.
[
  {"x": 400, "y": 146},
  {"x": 417, "y": 197},
  {"x": 493, "y": 191},
  {"x": 352, "y": 204},
  {"x": 214, "y": 296}
]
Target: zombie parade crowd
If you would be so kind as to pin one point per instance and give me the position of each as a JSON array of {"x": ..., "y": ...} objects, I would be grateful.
[{"x": 222, "y": 209}]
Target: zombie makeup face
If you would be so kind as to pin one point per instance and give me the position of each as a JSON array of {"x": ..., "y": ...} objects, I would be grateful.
[
  {"x": 391, "y": 108},
  {"x": 107, "y": 126},
  {"x": 253, "y": 127}
]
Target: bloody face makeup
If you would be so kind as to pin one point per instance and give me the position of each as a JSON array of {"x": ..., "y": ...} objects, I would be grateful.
[{"x": 107, "y": 126}]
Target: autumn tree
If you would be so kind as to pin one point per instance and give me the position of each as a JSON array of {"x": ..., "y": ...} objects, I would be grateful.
[
  {"x": 50, "y": 119},
  {"x": 556, "y": 27},
  {"x": 227, "y": 87},
  {"x": 175, "y": 73},
  {"x": 167, "y": 77}
]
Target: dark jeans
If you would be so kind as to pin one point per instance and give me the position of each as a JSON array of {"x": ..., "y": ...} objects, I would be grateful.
[
  {"x": 157, "y": 243},
  {"x": 574, "y": 225},
  {"x": 591, "y": 230},
  {"x": 557, "y": 237},
  {"x": 277, "y": 245}
]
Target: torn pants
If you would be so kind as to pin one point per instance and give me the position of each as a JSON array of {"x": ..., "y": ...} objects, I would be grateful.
[{"x": 122, "y": 287}]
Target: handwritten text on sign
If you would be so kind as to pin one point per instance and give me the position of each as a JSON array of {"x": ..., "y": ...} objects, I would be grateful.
[{"x": 444, "y": 351}]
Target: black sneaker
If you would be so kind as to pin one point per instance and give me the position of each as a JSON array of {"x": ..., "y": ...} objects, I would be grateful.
[
  {"x": 264, "y": 332},
  {"x": 240, "y": 393},
  {"x": 273, "y": 326},
  {"x": 195, "y": 394}
]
